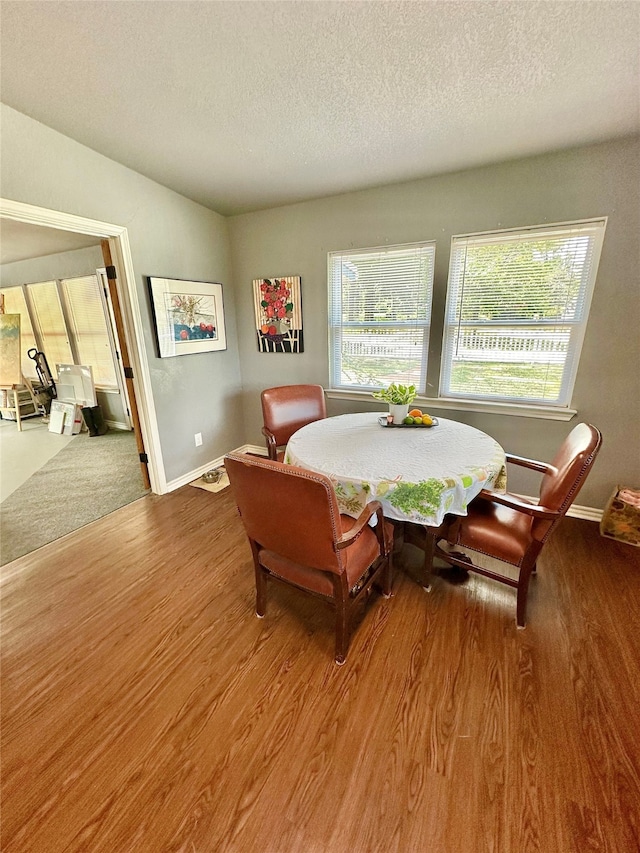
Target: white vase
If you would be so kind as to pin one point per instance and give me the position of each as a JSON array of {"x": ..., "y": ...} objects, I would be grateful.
[{"x": 399, "y": 412}]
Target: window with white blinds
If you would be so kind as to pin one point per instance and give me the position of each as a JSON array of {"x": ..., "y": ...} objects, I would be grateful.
[
  {"x": 49, "y": 324},
  {"x": 14, "y": 303},
  {"x": 88, "y": 327},
  {"x": 516, "y": 313},
  {"x": 379, "y": 315},
  {"x": 67, "y": 320}
]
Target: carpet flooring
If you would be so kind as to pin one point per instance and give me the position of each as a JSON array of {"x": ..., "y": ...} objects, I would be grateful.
[{"x": 89, "y": 478}]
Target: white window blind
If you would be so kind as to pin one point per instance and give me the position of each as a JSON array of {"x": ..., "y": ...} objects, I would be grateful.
[
  {"x": 88, "y": 323},
  {"x": 379, "y": 315},
  {"x": 49, "y": 323},
  {"x": 15, "y": 303},
  {"x": 516, "y": 314}
]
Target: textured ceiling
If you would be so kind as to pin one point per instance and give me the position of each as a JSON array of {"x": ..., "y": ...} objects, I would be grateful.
[{"x": 247, "y": 105}]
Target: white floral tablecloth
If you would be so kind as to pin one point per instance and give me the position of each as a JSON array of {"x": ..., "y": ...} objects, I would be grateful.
[{"x": 419, "y": 474}]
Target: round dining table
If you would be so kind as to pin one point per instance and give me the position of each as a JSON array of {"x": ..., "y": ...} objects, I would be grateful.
[{"x": 418, "y": 473}]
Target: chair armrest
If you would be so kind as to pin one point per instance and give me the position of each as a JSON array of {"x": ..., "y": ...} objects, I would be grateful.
[
  {"x": 543, "y": 467},
  {"x": 534, "y": 510},
  {"x": 371, "y": 509}
]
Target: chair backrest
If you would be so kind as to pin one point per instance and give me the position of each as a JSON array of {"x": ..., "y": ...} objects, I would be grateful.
[
  {"x": 288, "y": 407},
  {"x": 571, "y": 465},
  {"x": 288, "y": 510}
]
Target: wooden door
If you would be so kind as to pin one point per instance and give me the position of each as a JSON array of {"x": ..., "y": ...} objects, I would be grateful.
[{"x": 126, "y": 361}]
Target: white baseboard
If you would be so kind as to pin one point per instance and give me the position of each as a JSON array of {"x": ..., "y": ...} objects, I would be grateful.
[
  {"x": 215, "y": 463},
  {"x": 587, "y": 513},
  {"x": 258, "y": 449}
]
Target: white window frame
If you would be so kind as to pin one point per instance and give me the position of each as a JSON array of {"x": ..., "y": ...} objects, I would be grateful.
[
  {"x": 337, "y": 326},
  {"x": 596, "y": 229}
]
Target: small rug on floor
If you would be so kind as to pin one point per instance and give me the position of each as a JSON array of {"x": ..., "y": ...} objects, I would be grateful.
[
  {"x": 219, "y": 480},
  {"x": 89, "y": 478}
]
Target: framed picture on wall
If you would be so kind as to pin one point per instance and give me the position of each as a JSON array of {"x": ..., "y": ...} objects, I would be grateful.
[
  {"x": 189, "y": 316},
  {"x": 10, "y": 353},
  {"x": 278, "y": 311}
]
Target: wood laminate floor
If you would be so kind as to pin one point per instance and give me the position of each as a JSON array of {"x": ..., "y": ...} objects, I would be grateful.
[{"x": 146, "y": 708}]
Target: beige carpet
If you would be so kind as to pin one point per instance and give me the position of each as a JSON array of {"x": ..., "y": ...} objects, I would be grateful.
[{"x": 89, "y": 478}]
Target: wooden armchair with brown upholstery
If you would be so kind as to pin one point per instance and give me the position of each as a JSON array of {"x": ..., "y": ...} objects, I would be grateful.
[
  {"x": 287, "y": 408},
  {"x": 513, "y": 530},
  {"x": 298, "y": 537}
]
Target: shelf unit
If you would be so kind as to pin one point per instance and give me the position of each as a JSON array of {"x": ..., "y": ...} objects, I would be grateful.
[{"x": 18, "y": 402}]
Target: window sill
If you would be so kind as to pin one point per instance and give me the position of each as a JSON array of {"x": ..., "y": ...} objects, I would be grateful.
[{"x": 518, "y": 410}]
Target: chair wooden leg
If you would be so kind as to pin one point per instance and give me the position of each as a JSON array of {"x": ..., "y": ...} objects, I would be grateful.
[
  {"x": 429, "y": 551},
  {"x": 343, "y": 618},
  {"x": 387, "y": 576},
  {"x": 261, "y": 592},
  {"x": 526, "y": 570},
  {"x": 523, "y": 590},
  {"x": 261, "y": 583},
  {"x": 342, "y": 636},
  {"x": 521, "y": 608}
]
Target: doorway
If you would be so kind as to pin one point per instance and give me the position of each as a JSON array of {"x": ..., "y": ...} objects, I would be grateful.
[
  {"x": 114, "y": 241},
  {"x": 63, "y": 232}
]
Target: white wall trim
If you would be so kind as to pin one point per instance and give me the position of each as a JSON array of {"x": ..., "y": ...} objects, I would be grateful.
[
  {"x": 258, "y": 449},
  {"x": 518, "y": 410},
  {"x": 22, "y": 212},
  {"x": 132, "y": 318},
  {"x": 586, "y": 513},
  {"x": 119, "y": 241},
  {"x": 185, "y": 479}
]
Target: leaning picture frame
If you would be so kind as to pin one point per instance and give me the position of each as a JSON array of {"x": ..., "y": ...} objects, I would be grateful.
[{"x": 188, "y": 315}]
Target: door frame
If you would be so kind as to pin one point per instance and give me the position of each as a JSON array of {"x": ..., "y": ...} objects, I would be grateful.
[
  {"x": 112, "y": 333},
  {"x": 118, "y": 238}
]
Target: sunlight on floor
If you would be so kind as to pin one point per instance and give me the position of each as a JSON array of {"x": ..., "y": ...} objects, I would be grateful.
[{"x": 24, "y": 453}]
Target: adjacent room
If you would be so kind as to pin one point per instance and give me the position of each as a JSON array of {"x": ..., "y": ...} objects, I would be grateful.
[
  {"x": 244, "y": 616},
  {"x": 56, "y": 282}
]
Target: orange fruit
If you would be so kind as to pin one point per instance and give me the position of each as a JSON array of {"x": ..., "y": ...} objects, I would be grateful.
[{"x": 415, "y": 413}]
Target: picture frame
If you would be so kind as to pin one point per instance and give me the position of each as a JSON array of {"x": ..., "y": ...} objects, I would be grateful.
[
  {"x": 10, "y": 364},
  {"x": 188, "y": 315},
  {"x": 277, "y": 306}
]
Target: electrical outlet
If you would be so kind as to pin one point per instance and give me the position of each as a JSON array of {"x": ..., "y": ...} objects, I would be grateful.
[{"x": 198, "y": 438}]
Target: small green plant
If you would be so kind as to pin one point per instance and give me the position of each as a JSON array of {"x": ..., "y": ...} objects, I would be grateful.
[{"x": 397, "y": 395}]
